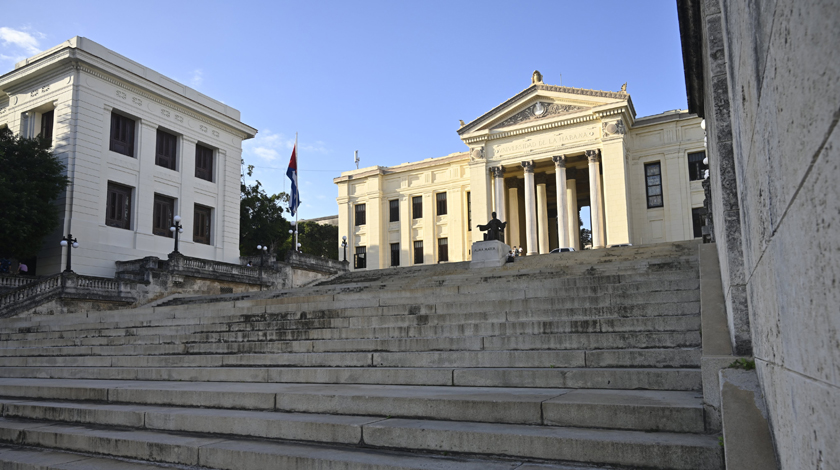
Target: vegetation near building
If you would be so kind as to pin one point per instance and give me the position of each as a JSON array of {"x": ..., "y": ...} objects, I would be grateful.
[{"x": 32, "y": 178}]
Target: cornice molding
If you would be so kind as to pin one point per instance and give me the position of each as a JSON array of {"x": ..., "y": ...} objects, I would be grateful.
[{"x": 525, "y": 130}]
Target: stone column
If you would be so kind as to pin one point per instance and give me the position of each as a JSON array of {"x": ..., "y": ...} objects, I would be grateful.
[
  {"x": 572, "y": 208},
  {"x": 596, "y": 209},
  {"x": 530, "y": 209},
  {"x": 562, "y": 210},
  {"x": 499, "y": 183},
  {"x": 542, "y": 212},
  {"x": 513, "y": 216}
]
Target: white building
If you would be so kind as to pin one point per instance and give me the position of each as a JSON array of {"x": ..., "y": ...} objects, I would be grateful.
[{"x": 139, "y": 148}]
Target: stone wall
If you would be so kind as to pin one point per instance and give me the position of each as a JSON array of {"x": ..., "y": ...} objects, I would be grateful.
[{"x": 770, "y": 83}]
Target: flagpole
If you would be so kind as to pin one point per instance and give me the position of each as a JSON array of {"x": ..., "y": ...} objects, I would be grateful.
[{"x": 297, "y": 209}]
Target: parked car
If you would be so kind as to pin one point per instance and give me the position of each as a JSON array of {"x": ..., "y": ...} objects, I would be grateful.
[{"x": 561, "y": 250}]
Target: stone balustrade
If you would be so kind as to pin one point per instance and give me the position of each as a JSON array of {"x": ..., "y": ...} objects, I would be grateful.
[
  {"x": 10, "y": 281},
  {"x": 69, "y": 286}
]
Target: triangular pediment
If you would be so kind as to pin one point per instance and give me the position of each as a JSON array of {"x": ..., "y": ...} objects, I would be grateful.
[{"x": 538, "y": 103}]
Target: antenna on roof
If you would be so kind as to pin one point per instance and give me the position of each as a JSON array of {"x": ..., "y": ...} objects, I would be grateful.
[
  {"x": 561, "y": 79},
  {"x": 356, "y": 159}
]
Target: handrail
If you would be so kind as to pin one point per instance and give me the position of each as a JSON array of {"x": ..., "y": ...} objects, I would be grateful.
[{"x": 28, "y": 291}]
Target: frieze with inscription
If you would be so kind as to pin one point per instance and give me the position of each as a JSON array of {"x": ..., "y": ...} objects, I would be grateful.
[
  {"x": 558, "y": 139},
  {"x": 537, "y": 111}
]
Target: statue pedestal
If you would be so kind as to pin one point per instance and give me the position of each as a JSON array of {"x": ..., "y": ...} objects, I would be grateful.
[{"x": 489, "y": 254}]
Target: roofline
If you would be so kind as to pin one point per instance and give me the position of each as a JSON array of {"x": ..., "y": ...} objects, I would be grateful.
[{"x": 385, "y": 170}]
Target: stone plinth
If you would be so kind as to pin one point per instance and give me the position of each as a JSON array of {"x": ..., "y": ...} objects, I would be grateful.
[{"x": 488, "y": 254}]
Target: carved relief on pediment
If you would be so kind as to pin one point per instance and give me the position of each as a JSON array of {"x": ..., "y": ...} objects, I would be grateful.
[{"x": 537, "y": 111}]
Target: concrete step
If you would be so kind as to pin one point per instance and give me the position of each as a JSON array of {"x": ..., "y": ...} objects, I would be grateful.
[
  {"x": 214, "y": 452},
  {"x": 14, "y": 457},
  {"x": 279, "y": 331}
]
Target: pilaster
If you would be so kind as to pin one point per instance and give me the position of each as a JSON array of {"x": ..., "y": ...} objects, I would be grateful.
[
  {"x": 530, "y": 208},
  {"x": 617, "y": 213},
  {"x": 595, "y": 208}
]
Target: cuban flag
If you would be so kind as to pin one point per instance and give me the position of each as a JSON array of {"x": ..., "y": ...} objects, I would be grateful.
[{"x": 292, "y": 174}]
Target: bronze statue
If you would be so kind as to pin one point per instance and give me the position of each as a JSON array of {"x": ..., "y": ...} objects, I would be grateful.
[{"x": 495, "y": 229}]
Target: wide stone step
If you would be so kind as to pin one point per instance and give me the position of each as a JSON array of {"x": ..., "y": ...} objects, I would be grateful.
[
  {"x": 276, "y": 331},
  {"x": 14, "y": 457}
]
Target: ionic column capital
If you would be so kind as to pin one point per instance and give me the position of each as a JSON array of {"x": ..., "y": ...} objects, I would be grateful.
[
  {"x": 498, "y": 171},
  {"x": 594, "y": 156},
  {"x": 559, "y": 161},
  {"x": 528, "y": 166}
]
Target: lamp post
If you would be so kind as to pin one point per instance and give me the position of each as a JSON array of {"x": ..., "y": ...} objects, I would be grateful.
[
  {"x": 72, "y": 242},
  {"x": 344, "y": 245},
  {"x": 262, "y": 249},
  {"x": 294, "y": 233},
  {"x": 176, "y": 229}
]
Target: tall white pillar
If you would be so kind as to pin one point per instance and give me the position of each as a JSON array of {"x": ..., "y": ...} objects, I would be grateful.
[
  {"x": 530, "y": 209},
  {"x": 542, "y": 213},
  {"x": 573, "y": 225},
  {"x": 513, "y": 217},
  {"x": 562, "y": 210},
  {"x": 596, "y": 208},
  {"x": 499, "y": 184}
]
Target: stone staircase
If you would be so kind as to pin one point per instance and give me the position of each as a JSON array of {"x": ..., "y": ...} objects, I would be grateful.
[{"x": 564, "y": 361}]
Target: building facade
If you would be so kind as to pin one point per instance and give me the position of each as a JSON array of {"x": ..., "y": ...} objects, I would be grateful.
[
  {"x": 139, "y": 148},
  {"x": 536, "y": 160}
]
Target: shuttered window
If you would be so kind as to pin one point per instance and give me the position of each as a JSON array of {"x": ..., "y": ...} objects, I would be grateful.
[
  {"x": 118, "y": 206},
  {"x": 417, "y": 207},
  {"x": 653, "y": 183},
  {"x": 360, "y": 258},
  {"x": 203, "y": 163},
  {"x": 441, "y": 203},
  {"x": 122, "y": 135},
  {"x": 361, "y": 214},
  {"x": 47, "y": 126},
  {"x": 395, "y": 254},
  {"x": 394, "y": 206},
  {"x": 164, "y": 211},
  {"x": 165, "y": 149},
  {"x": 418, "y": 252},
  {"x": 696, "y": 168},
  {"x": 201, "y": 224},
  {"x": 443, "y": 249}
]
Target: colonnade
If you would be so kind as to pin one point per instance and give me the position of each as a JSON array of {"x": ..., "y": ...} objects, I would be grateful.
[{"x": 536, "y": 205}]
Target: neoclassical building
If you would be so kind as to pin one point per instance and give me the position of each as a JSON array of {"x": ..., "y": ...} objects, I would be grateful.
[
  {"x": 139, "y": 148},
  {"x": 535, "y": 160}
]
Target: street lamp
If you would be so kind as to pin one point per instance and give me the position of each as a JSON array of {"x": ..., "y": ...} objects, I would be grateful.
[
  {"x": 344, "y": 245},
  {"x": 262, "y": 249},
  {"x": 294, "y": 233},
  {"x": 176, "y": 229},
  {"x": 72, "y": 242}
]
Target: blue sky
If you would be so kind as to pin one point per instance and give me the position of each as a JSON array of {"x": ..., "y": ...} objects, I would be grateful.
[{"x": 390, "y": 79}]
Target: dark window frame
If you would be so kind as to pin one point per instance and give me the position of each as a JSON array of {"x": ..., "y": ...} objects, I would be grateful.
[
  {"x": 204, "y": 162},
  {"x": 469, "y": 212},
  {"x": 360, "y": 258},
  {"x": 417, "y": 207},
  {"x": 166, "y": 150},
  {"x": 47, "y": 126},
  {"x": 698, "y": 221},
  {"x": 440, "y": 203},
  {"x": 696, "y": 167},
  {"x": 648, "y": 186},
  {"x": 418, "y": 250},
  {"x": 202, "y": 224},
  {"x": 394, "y": 209},
  {"x": 161, "y": 222},
  {"x": 118, "y": 196},
  {"x": 443, "y": 250},
  {"x": 360, "y": 214},
  {"x": 123, "y": 132},
  {"x": 395, "y": 254}
]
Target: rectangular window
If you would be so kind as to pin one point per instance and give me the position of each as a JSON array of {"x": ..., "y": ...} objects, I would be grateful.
[
  {"x": 360, "y": 258},
  {"x": 418, "y": 252},
  {"x": 164, "y": 211},
  {"x": 118, "y": 206},
  {"x": 47, "y": 126},
  {"x": 394, "y": 205},
  {"x": 165, "y": 150},
  {"x": 441, "y": 203},
  {"x": 696, "y": 168},
  {"x": 417, "y": 207},
  {"x": 653, "y": 178},
  {"x": 395, "y": 254},
  {"x": 201, "y": 224},
  {"x": 361, "y": 215},
  {"x": 443, "y": 249},
  {"x": 698, "y": 221},
  {"x": 204, "y": 163},
  {"x": 122, "y": 135},
  {"x": 469, "y": 213}
]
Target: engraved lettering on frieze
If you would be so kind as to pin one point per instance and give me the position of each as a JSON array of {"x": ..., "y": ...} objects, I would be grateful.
[
  {"x": 530, "y": 145},
  {"x": 164, "y": 112},
  {"x": 179, "y": 118},
  {"x": 215, "y": 133},
  {"x": 540, "y": 110},
  {"x": 45, "y": 89},
  {"x": 121, "y": 94},
  {"x": 33, "y": 93},
  {"x": 2, "y": 110},
  {"x": 137, "y": 101},
  {"x": 203, "y": 128}
]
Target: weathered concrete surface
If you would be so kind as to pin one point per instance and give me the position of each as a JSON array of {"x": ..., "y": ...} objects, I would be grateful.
[{"x": 746, "y": 431}]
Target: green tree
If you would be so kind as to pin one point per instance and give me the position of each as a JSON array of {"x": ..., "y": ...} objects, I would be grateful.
[
  {"x": 31, "y": 179},
  {"x": 261, "y": 219},
  {"x": 585, "y": 234},
  {"x": 319, "y": 240}
]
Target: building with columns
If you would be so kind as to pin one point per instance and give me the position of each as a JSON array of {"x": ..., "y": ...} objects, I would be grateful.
[
  {"x": 536, "y": 160},
  {"x": 139, "y": 149}
]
